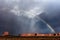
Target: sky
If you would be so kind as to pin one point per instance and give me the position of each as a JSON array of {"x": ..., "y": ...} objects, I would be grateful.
[{"x": 29, "y": 16}]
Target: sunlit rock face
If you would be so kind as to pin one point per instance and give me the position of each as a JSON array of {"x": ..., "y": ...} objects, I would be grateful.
[{"x": 29, "y": 16}]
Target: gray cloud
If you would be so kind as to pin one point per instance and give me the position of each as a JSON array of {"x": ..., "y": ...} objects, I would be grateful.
[{"x": 14, "y": 16}]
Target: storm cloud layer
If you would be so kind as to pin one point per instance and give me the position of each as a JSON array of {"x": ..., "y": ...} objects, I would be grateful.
[{"x": 24, "y": 16}]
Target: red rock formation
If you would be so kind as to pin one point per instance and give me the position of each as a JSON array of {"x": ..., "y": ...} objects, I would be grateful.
[
  {"x": 5, "y": 33},
  {"x": 28, "y": 34}
]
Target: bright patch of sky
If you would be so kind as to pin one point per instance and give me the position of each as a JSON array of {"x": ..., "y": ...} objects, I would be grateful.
[
  {"x": 16, "y": 10},
  {"x": 12, "y": 0},
  {"x": 33, "y": 12}
]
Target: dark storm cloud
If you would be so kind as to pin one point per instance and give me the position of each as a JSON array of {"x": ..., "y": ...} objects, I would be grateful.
[
  {"x": 11, "y": 22},
  {"x": 8, "y": 21},
  {"x": 15, "y": 23},
  {"x": 52, "y": 15}
]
